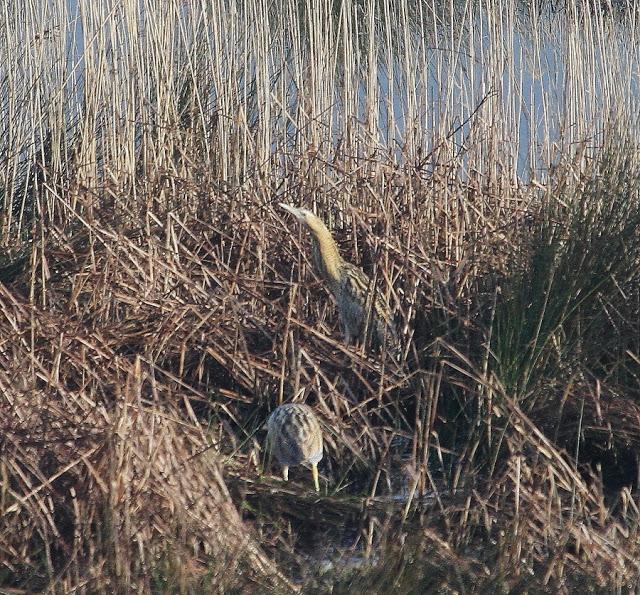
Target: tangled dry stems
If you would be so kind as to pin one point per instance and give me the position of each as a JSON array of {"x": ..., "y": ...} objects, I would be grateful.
[
  {"x": 134, "y": 358},
  {"x": 109, "y": 479},
  {"x": 154, "y": 307}
]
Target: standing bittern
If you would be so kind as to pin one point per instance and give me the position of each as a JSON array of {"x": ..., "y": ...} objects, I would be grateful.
[
  {"x": 357, "y": 300},
  {"x": 294, "y": 437}
]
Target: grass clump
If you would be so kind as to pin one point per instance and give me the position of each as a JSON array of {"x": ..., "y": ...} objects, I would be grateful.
[{"x": 566, "y": 304}]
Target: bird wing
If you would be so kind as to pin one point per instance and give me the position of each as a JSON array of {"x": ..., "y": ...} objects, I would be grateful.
[{"x": 359, "y": 287}]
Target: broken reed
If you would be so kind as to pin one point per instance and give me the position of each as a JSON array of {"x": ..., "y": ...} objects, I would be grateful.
[{"x": 143, "y": 251}]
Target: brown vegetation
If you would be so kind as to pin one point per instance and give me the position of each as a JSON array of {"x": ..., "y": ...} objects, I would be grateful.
[{"x": 156, "y": 304}]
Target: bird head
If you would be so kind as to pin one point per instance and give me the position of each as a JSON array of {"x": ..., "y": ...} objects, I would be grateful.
[
  {"x": 302, "y": 215},
  {"x": 325, "y": 252}
]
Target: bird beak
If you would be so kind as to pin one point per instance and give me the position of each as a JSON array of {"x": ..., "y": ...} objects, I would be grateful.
[{"x": 293, "y": 210}]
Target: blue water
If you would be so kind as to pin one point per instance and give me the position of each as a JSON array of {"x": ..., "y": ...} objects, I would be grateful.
[{"x": 459, "y": 104}]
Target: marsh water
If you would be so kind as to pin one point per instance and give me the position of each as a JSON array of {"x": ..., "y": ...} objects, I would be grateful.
[
  {"x": 342, "y": 541},
  {"x": 548, "y": 78}
]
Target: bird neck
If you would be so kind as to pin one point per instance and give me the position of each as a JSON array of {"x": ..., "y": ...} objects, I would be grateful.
[{"x": 326, "y": 257}]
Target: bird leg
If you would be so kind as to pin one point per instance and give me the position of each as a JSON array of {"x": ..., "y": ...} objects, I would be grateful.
[
  {"x": 314, "y": 472},
  {"x": 345, "y": 330},
  {"x": 285, "y": 473}
]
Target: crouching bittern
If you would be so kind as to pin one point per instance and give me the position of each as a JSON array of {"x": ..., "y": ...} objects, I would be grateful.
[
  {"x": 294, "y": 437},
  {"x": 360, "y": 305}
]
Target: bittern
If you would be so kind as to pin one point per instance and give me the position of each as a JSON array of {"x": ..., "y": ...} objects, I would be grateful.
[
  {"x": 357, "y": 300},
  {"x": 294, "y": 437}
]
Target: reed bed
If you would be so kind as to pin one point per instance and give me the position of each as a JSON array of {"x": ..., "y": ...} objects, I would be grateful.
[{"x": 478, "y": 159}]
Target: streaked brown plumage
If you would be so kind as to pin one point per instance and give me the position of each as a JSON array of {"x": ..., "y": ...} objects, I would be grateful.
[
  {"x": 360, "y": 305},
  {"x": 294, "y": 437}
]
